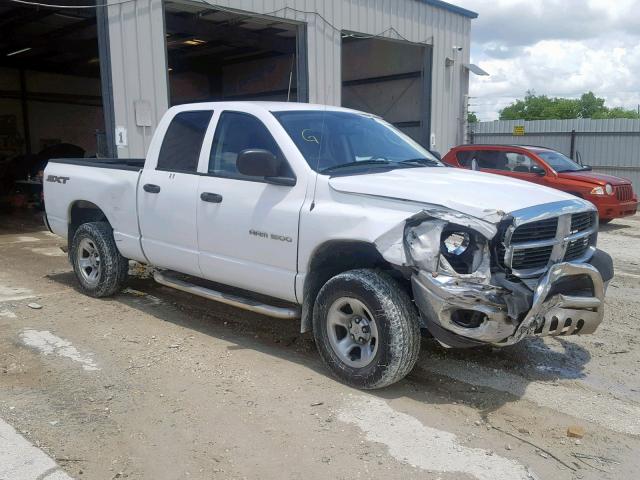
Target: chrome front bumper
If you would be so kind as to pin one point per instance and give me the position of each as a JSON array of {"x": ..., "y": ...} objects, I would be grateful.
[{"x": 439, "y": 297}]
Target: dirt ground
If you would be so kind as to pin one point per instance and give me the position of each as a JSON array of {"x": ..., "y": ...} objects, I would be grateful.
[{"x": 157, "y": 384}]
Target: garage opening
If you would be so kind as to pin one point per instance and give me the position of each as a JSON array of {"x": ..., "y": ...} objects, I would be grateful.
[
  {"x": 50, "y": 96},
  {"x": 389, "y": 78},
  {"x": 216, "y": 54}
]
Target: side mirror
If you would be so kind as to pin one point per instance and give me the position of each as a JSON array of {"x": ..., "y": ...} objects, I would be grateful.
[
  {"x": 257, "y": 162},
  {"x": 538, "y": 170},
  {"x": 587, "y": 167}
]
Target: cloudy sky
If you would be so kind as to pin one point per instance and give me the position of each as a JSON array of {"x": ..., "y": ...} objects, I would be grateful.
[{"x": 555, "y": 47}]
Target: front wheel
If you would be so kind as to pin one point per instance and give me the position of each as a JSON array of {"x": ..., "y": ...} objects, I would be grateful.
[
  {"x": 366, "y": 328},
  {"x": 100, "y": 268}
]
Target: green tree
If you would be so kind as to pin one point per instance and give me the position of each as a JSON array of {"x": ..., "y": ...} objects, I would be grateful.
[
  {"x": 591, "y": 106},
  {"x": 472, "y": 117},
  {"x": 617, "y": 112},
  {"x": 542, "y": 107}
]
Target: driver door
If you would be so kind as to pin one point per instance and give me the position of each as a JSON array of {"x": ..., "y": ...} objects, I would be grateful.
[
  {"x": 247, "y": 228},
  {"x": 523, "y": 167}
]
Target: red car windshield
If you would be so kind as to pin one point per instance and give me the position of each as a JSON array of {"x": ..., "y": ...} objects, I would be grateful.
[{"x": 559, "y": 162}]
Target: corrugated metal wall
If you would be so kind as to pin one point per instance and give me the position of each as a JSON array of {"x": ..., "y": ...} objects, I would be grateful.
[
  {"x": 139, "y": 69},
  {"x": 610, "y": 146},
  {"x": 139, "y": 65}
]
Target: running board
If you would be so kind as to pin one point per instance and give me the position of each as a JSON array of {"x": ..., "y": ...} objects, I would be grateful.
[{"x": 233, "y": 300}]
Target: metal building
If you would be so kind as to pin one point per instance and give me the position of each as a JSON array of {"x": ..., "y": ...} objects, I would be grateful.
[
  {"x": 414, "y": 71},
  {"x": 101, "y": 78}
]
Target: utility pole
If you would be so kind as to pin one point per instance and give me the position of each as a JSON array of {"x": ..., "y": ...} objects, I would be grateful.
[{"x": 465, "y": 119}]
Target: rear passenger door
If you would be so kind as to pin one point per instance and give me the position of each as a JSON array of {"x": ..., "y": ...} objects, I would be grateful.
[{"x": 168, "y": 195}]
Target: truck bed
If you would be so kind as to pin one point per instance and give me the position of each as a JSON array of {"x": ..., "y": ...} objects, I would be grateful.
[
  {"x": 133, "y": 164},
  {"x": 109, "y": 184}
]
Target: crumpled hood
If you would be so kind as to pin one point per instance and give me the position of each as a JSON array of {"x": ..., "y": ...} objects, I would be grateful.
[
  {"x": 478, "y": 194},
  {"x": 594, "y": 177}
]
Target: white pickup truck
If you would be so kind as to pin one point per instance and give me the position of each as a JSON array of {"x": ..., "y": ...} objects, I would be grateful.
[{"x": 334, "y": 217}]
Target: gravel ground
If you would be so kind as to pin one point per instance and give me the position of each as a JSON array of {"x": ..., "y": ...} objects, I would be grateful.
[{"x": 157, "y": 384}]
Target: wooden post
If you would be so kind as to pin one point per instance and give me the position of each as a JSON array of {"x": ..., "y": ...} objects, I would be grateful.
[{"x": 25, "y": 111}]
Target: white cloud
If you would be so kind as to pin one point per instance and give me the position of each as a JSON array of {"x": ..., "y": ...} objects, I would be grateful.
[{"x": 557, "y": 48}]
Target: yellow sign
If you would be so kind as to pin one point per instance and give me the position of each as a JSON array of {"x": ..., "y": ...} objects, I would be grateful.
[{"x": 518, "y": 130}]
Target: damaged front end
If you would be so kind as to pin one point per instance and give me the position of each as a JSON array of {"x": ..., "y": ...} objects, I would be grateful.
[{"x": 498, "y": 280}]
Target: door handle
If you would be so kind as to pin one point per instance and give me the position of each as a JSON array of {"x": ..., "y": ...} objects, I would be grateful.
[
  {"x": 211, "y": 197},
  {"x": 151, "y": 188}
]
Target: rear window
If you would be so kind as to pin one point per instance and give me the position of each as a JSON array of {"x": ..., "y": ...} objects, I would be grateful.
[
  {"x": 491, "y": 159},
  {"x": 464, "y": 157},
  {"x": 182, "y": 142}
]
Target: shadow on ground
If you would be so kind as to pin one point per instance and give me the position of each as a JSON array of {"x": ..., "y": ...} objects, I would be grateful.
[
  {"x": 22, "y": 222},
  {"x": 529, "y": 361},
  {"x": 612, "y": 227}
]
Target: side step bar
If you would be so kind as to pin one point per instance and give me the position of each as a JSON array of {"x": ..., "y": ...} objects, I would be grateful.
[{"x": 233, "y": 300}]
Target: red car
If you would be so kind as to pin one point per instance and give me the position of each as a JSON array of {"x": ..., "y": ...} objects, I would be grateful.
[{"x": 613, "y": 196}]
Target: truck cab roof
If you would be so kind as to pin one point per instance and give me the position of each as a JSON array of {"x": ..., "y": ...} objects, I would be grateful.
[{"x": 264, "y": 105}]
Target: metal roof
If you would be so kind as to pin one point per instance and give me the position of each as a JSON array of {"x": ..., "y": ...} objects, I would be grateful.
[{"x": 452, "y": 8}]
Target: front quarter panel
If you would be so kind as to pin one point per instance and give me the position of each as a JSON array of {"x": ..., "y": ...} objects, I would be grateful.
[{"x": 341, "y": 216}]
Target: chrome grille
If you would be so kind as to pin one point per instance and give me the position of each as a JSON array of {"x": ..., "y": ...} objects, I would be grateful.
[
  {"x": 576, "y": 249},
  {"x": 537, "y": 239},
  {"x": 542, "y": 230},
  {"x": 582, "y": 221},
  {"x": 531, "y": 257},
  {"x": 624, "y": 192}
]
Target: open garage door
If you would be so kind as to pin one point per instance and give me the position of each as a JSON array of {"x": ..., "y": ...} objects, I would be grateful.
[
  {"x": 50, "y": 96},
  {"x": 222, "y": 55},
  {"x": 388, "y": 78}
]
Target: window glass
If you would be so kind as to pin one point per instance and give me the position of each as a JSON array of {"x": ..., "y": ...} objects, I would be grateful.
[
  {"x": 465, "y": 157},
  {"x": 330, "y": 139},
  {"x": 237, "y": 132},
  {"x": 182, "y": 141},
  {"x": 518, "y": 162},
  {"x": 559, "y": 162},
  {"x": 477, "y": 159},
  {"x": 496, "y": 160},
  {"x": 492, "y": 159}
]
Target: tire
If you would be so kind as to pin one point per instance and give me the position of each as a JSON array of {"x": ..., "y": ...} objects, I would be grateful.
[
  {"x": 381, "y": 309},
  {"x": 606, "y": 222},
  {"x": 97, "y": 263}
]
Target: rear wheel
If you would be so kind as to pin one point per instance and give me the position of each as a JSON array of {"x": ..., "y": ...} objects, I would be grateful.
[
  {"x": 366, "y": 329},
  {"x": 97, "y": 263}
]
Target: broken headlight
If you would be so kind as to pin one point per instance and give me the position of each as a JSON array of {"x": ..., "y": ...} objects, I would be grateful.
[
  {"x": 462, "y": 248},
  {"x": 456, "y": 243}
]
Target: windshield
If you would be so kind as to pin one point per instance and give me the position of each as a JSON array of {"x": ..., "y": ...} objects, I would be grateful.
[
  {"x": 349, "y": 142},
  {"x": 559, "y": 162}
]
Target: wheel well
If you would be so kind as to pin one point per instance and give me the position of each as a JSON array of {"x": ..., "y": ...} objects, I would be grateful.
[
  {"x": 82, "y": 211},
  {"x": 330, "y": 259}
]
